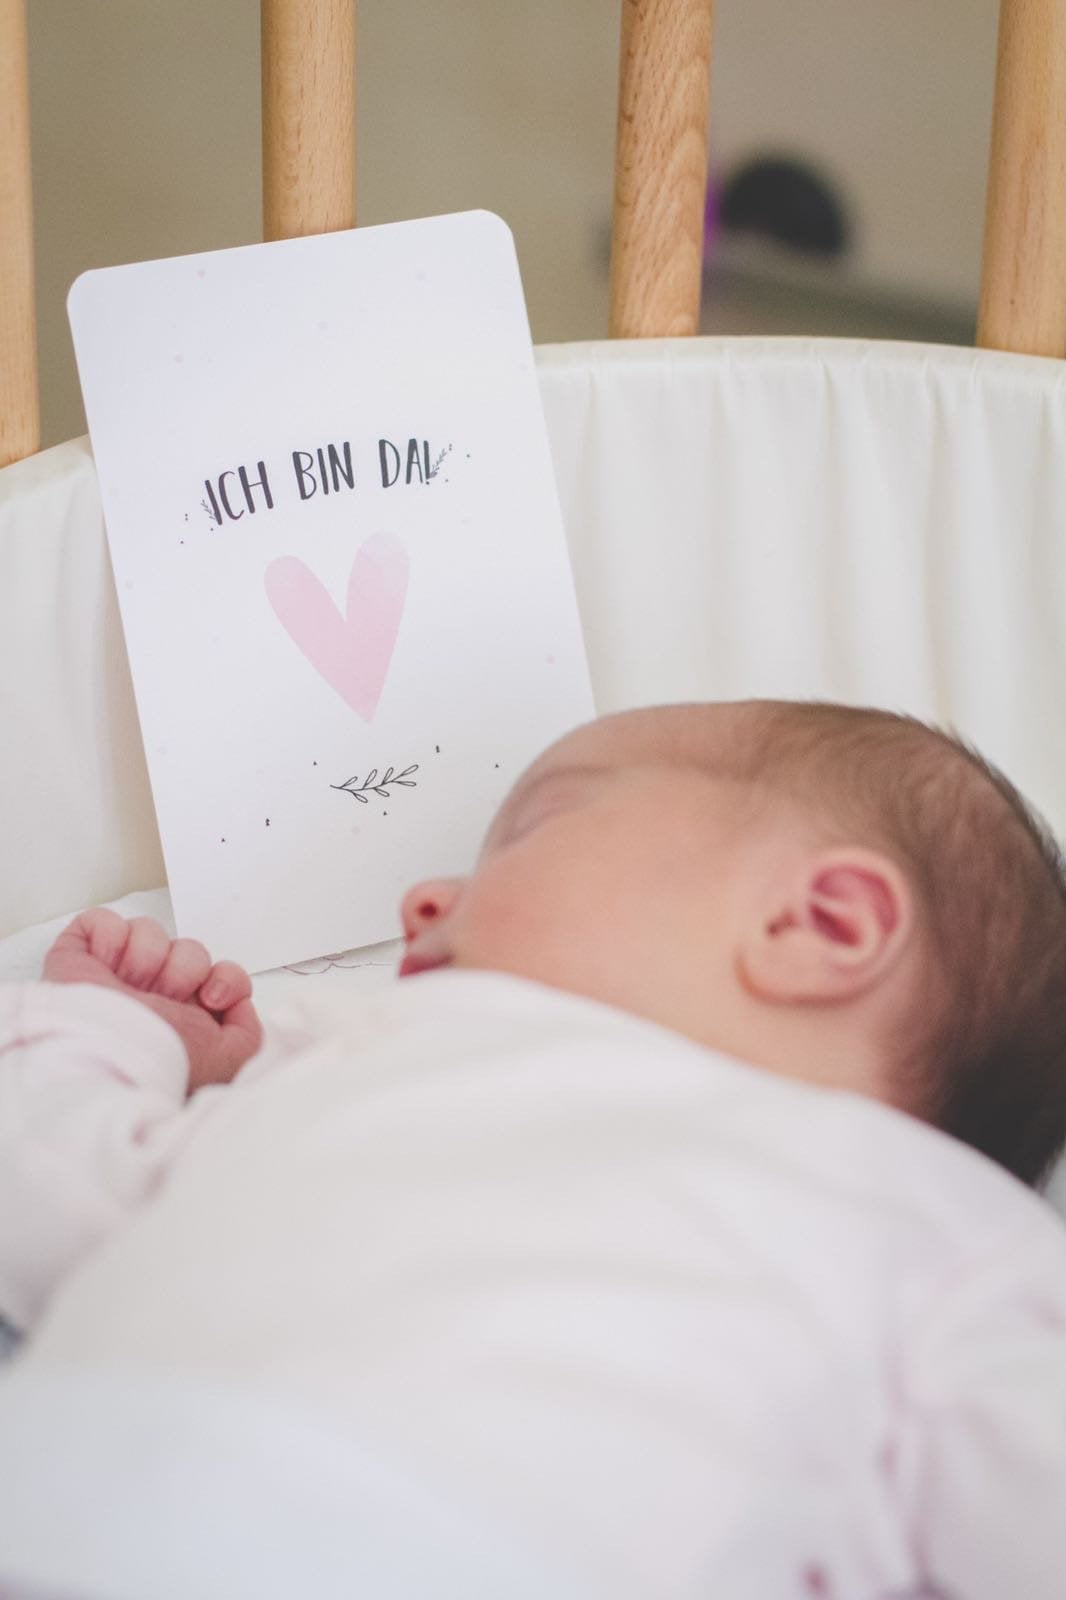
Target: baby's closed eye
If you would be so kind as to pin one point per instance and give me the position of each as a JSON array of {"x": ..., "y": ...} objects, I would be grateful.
[{"x": 545, "y": 797}]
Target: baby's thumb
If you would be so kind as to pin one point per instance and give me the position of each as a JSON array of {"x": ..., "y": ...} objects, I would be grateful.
[
  {"x": 238, "y": 1033},
  {"x": 242, "y": 1033}
]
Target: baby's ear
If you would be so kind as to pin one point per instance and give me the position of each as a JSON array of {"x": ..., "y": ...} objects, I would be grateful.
[{"x": 832, "y": 932}]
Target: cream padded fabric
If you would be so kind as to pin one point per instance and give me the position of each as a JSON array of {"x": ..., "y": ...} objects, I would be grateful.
[
  {"x": 870, "y": 522},
  {"x": 76, "y": 818},
  {"x": 877, "y": 523}
]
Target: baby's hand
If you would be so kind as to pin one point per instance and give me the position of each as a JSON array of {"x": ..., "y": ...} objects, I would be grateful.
[{"x": 208, "y": 1006}]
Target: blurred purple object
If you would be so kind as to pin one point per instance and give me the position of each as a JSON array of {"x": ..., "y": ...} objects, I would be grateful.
[{"x": 710, "y": 220}]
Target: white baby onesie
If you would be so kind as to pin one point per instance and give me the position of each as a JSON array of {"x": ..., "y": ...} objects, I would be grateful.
[{"x": 477, "y": 1288}]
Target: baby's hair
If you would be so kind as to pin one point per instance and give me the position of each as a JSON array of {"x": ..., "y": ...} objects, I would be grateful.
[{"x": 984, "y": 1054}]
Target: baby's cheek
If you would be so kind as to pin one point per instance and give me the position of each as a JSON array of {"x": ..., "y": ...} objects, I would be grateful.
[
  {"x": 495, "y": 910},
  {"x": 515, "y": 920}
]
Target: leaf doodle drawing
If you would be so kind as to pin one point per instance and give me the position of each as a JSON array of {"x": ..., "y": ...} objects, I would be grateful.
[
  {"x": 373, "y": 784},
  {"x": 342, "y": 961},
  {"x": 435, "y": 468}
]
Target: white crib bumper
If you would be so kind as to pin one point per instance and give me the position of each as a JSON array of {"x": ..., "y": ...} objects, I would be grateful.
[{"x": 869, "y": 522}]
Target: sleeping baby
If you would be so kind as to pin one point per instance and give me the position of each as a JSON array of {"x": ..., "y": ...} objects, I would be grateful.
[{"x": 667, "y": 1231}]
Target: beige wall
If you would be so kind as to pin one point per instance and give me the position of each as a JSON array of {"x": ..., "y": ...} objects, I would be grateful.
[
  {"x": 895, "y": 96},
  {"x": 146, "y": 133}
]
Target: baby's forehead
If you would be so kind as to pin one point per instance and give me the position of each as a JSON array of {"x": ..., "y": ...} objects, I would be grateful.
[{"x": 709, "y": 736}]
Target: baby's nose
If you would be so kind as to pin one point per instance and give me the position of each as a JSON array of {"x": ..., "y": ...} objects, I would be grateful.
[{"x": 428, "y": 902}]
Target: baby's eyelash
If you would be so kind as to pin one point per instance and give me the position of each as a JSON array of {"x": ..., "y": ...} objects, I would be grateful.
[
  {"x": 526, "y": 822},
  {"x": 514, "y": 830},
  {"x": 550, "y": 798}
]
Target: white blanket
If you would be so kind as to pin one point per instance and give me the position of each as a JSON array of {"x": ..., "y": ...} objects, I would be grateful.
[
  {"x": 554, "y": 1286},
  {"x": 347, "y": 972}
]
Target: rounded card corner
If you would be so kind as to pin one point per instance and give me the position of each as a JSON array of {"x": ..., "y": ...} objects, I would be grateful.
[
  {"x": 492, "y": 222},
  {"x": 77, "y": 289}
]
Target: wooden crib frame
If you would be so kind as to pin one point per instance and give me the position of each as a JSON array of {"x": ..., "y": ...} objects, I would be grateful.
[{"x": 308, "y": 85}]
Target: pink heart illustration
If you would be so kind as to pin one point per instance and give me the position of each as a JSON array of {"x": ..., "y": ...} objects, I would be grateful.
[{"x": 352, "y": 652}]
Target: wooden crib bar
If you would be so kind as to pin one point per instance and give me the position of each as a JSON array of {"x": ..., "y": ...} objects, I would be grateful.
[
  {"x": 308, "y": 65},
  {"x": 20, "y": 423},
  {"x": 1023, "y": 273},
  {"x": 660, "y": 175}
]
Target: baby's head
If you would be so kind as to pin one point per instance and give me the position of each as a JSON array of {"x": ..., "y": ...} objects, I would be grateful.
[{"x": 839, "y": 895}]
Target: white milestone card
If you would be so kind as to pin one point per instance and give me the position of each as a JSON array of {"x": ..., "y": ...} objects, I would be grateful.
[{"x": 340, "y": 562}]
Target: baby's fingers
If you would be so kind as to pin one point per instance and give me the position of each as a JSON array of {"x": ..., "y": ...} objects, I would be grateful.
[
  {"x": 93, "y": 939},
  {"x": 145, "y": 955},
  {"x": 105, "y": 933},
  {"x": 100, "y": 932},
  {"x": 184, "y": 970},
  {"x": 226, "y": 985}
]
